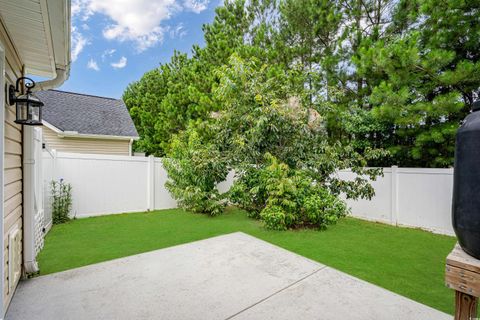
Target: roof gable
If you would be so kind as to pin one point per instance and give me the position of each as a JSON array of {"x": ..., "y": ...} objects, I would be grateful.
[{"x": 86, "y": 114}]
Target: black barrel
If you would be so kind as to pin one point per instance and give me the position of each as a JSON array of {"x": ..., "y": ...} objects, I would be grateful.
[{"x": 466, "y": 184}]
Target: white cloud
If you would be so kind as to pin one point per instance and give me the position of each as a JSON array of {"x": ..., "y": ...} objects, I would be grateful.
[
  {"x": 196, "y": 6},
  {"x": 138, "y": 21},
  {"x": 78, "y": 43},
  {"x": 141, "y": 22},
  {"x": 108, "y": 53},
  {"x": 92, "y": 64},
  {"x": 177, "y": 32},
  {"x": 122, "y": 63},
  {"x": 80, "y": 9}
]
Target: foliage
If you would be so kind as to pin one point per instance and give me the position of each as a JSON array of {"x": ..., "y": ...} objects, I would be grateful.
[
  {"x": 272, "y": 141},
  {"x": 395, "y": 75},
  {"x": 264, "y": 115},
  {"x": 257, "y": 114},
  {"x": 276, "y": 185},
  {"x": 194, "y": 169},
  {"x": 294, "y": 199},
  {"x": 61, "y": 201},
  {"x": 426, "y": 78},
  {"x": 164, "y": 100}
]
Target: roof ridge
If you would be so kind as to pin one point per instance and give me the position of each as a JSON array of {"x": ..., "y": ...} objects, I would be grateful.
[{"x": 83, "y": 94}]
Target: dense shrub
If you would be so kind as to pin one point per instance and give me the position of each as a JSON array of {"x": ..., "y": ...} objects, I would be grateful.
[
  {"x": 61, "y": 201},
  {"x": 286, "y": 198},
  {"x": 194, "y": 169},
  {"x": 249, "y": 191}
]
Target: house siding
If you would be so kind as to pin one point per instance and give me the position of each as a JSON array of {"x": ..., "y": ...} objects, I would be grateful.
[
  {"x": 85, "y": 145},
  {"x": 13, "y": 174}
]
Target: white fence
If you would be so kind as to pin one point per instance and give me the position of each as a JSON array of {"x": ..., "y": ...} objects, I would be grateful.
[
  {"x": 116, "y": 184},
  {"x": 414, "y": 197},
  {"x": 103, "y": 184}
]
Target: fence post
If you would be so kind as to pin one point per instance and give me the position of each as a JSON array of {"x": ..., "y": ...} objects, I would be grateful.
[
  {"x": 151, "y": 183},
  {"x": 54, "y": 164},
  {"x": 394, "y": 207}
]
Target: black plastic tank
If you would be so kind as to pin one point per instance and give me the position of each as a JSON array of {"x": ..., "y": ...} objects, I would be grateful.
[{"x": 466, "y": 184}]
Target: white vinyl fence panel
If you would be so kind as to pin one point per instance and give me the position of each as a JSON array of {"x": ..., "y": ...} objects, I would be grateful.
[
  {"x": 162, "y": 198},
  {"x": 414, "y": 197},
  {"x": 107, "y": 184}
]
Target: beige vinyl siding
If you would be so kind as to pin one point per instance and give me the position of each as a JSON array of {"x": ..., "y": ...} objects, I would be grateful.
[
  {"x": 13, "y": 211},
  {"x": 85, "y": 145}
]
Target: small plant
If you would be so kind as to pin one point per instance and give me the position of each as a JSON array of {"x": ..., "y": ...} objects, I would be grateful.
[{"x": 61, "y": 201}]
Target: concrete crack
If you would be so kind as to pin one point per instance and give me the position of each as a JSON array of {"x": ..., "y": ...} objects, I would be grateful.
[{"x": 275, "y": 293}]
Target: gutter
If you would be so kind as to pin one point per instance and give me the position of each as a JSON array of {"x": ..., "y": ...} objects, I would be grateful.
[
  {"x": 62, "y": 76},
  {"x": 74, "y": 134}
]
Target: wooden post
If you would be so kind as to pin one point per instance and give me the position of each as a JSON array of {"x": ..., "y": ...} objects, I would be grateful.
[
  {"x": 465, "y": 306},
  {"x": 462, "y": 273}
]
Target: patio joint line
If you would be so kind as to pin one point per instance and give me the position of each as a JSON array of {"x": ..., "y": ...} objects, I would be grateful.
[{"x": 275, "y": 293}]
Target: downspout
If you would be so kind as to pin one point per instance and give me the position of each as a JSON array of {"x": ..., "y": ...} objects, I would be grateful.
[
  {"x": 130, "y": 153},
  {"x": 31, "y": 199}
]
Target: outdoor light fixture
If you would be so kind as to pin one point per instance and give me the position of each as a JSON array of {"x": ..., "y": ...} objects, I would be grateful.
[{"x": 28, "y": 106}]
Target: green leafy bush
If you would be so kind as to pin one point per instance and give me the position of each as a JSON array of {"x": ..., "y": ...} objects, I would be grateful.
[
  {"x": 285, "y": 198},
  {"x": 61, "y": 201},
  {"x": 249, "y": 191},
  {"x": 194, "y": 169}
]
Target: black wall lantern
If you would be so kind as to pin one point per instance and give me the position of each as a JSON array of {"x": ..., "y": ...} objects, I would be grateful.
[{"x": 28, "y": 106}]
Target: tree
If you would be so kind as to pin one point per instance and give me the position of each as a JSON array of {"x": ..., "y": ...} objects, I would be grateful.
[
  {"x": 164, "y": 100},
  {"x": 430, "y": 78},
  {"x": 308, "y": 33},
  {"x": 279, "y": 152}
]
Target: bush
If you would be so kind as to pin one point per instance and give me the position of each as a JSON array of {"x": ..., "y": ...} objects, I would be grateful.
[
  {"x": 194, "y": 169},
  {"x": 249, "y": 191},
  {"x": 61, "y": 201},
  {"x": 285, "y": 198},
  {"x": 322, "y": 209},
  {"x": 274, "y": 218}
]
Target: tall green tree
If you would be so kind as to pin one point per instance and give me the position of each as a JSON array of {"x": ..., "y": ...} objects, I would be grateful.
[
  {"x": 165, "y": 99},
  {"x": 429, "y": 78}
]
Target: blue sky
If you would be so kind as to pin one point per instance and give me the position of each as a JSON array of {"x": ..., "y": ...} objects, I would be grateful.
[{"x": 114, "y": 42}]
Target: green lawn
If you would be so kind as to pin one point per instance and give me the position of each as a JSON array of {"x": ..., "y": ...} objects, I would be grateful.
[{"x": 407, "y": 261}]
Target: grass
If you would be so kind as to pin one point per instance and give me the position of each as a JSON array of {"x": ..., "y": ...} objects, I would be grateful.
[{"x": 409, "y": 262}]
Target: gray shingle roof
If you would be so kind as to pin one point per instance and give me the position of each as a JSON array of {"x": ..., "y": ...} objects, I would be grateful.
[{"x": 86, "y": 114}]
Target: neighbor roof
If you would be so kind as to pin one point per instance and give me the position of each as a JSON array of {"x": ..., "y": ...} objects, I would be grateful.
[{"x": 86, "y": 114}]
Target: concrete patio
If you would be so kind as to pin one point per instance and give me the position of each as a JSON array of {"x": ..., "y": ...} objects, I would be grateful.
[{"x": 234, "y": 276}]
